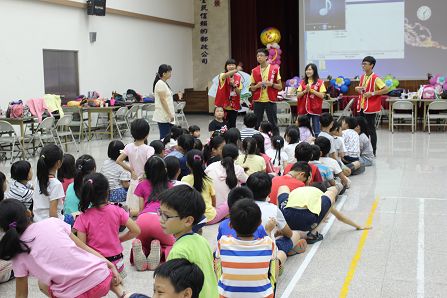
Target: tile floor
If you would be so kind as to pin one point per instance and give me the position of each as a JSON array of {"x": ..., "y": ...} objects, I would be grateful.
[{"x": 404, "y": 254}]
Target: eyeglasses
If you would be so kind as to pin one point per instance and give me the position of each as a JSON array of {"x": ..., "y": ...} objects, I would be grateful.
[{"x": 164, "y": 216}]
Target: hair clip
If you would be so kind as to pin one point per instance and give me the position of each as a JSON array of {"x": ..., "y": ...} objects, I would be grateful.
[
  {"x": 13, "y": 225},
  {"x": 42, "y": 156},
  {"x": 90, "y": 181},
  {"x": 197, "y": 157}
]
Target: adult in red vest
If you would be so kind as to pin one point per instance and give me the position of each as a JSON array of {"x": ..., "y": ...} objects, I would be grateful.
[
  {"x": 310, "y": 96},
  {"x": 265, "y": 84},
  {"x": 229, "y": 91},
  {"x": 370, "y": 88}
]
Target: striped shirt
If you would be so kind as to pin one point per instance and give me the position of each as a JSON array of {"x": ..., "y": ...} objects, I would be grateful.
[
  {"x": 114, "y": 174},
  {"x": 245, "y": 267},
  {"x": 21, "y": 192},
  {"x": 248, "y": 132}
]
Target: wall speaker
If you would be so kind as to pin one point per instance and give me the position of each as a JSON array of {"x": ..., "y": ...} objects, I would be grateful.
[
  {"x": 96, "y": 7},
  {"x": 92, "y": 36}
]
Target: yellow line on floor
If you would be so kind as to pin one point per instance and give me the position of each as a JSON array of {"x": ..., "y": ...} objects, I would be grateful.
[{"x": 350, "y": 275}]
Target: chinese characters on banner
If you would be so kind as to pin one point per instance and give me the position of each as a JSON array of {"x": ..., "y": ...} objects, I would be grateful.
[{"x": 204, "y": 31}]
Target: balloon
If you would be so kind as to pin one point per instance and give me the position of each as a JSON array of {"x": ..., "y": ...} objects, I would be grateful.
[
  {"x": 445, "y": 86},
  {"x": 344, "y": 89},
  {"x": 347, "y": 82},
  {"x": 389, "y": 83},
  {"x": 270, "y": 35},
  {"x": 272, "y": 52},
  {"x": 332, "y": 82},
  {"x": 441, "y": 80},
  {"x": 279, "y": 51},
  {"x": 395, "y": 83},
  {"x": 433, "y": 80},
  {"x": 339, "y": 81}
]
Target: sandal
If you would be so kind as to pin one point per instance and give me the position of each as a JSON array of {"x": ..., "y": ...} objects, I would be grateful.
[
  {"x": 312, "y": 238},
  {"x": 299, "y": 248}
]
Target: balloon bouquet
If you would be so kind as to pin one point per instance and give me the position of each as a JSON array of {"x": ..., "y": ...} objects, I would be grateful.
[
  {"x": 341, "y": 84},
  {"x": 292, "y": 86},
  {"x": 391, "y": 82},
  {"x": 270, "y": 37},
  {"x": 439, "y": 83}
]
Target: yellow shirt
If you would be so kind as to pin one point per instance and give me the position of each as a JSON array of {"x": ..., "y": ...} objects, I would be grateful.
[
  {"x": 306, "y": 197},
  {"x": 322, "y": 87},
  {"x": 254, "y": 163},
  {"x": 221, "y": 82},
  {"x": 377, "y": 86},
  {"x": 265, "y": 77},
  {"x": 207, "y": 193}
]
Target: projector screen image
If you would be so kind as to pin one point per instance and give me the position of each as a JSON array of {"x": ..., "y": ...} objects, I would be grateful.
[{"x": 405, "y": 36}]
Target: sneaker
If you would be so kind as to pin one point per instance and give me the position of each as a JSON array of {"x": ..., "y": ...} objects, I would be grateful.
[
  {"x": 153, "y": 259},
  {"x": 348, "y": 185},
  {"x": 299, "y": 248},
  {"x": 139, "y": 259}
]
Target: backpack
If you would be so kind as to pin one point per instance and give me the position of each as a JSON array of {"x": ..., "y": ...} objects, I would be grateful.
[
  {"x": 427, "y": 92},
  {"x": 15, "y": 109}
]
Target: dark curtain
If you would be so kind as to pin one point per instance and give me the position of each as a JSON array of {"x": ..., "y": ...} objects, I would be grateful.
[{"x": 250, "y": 17}]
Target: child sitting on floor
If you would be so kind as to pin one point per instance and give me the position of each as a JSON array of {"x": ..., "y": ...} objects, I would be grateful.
[{"x": 20, "y": 188}]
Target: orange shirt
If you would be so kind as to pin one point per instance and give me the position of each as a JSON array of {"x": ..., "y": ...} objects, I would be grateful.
[
  {"x": 316, "y": 176},
  {"x": 285, "y": 180}
]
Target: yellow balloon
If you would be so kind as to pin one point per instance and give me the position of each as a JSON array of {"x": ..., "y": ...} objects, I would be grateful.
[{"x": 270, "y": 35}]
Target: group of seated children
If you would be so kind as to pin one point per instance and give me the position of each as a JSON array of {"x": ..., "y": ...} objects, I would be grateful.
[{"x": 269, "y": 195}]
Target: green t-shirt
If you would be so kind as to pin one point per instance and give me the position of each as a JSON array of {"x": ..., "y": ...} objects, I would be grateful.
[
  {"x": 71, "y": 202},
  {"x": 196, "y": 249}
]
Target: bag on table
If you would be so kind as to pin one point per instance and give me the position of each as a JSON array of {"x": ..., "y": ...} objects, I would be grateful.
[{"x": 15, "y": 109}]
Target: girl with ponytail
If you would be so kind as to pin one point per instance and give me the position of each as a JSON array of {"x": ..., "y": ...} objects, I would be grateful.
[
  {"x": 250, "y": 161},
  {"x": 225, "y": 176},
  {"x": 49, "y": 192},
  {"x": 99, "y": 222},
  {"x": 212, "y": 151},
  {"x": 277, "y": 154},
  {"x": 261, "y": 152},
  {"x": 201, "y": 182},
  {"x": 73, "y": 266}
]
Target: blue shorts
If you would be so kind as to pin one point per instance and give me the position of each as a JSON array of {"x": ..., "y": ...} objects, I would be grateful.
[
  {"x": 284, "y": 244},
  {"x": 118, "y": 195},
  {"x": 136, "y": 295},
  {"x": 303, "y": 219}
]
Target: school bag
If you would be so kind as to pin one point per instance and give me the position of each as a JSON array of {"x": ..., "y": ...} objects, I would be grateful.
[
  {"x": 427, "y": 92},
  {"x": 15, "y": 109}
]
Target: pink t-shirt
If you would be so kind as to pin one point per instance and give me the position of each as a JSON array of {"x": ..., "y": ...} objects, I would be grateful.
[
  {"x": 101, "y": 226},
  {"x": 144, "y": 190},
  {"x": 66, "y": 183},
  {"x": 138, "y": 155},
  {"x": 56, "y": 261}
]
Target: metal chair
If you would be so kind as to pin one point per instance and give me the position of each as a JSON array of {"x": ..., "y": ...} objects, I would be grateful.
[
  {"x": 44, "y": 131},
  {"x": 439, "y": 108},
  {"x": 405, "y": 112},
  {"x": 284, "y": 113},
  {"x": 62, "y": 130},
  {"x": 180, "y": 117},
  {"x": 9, "y": 138},
  {"x": 78, "y": 121},
  {"x": 121, "y": 120},
  {"x": 346, "y": 111},
  {"x": 326, "y": 106},
  {"x": 147, "y": 112},
  {"x": 132, "y": 113}
]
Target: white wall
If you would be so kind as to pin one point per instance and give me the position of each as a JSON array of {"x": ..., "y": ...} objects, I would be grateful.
[{"x": 127, "y": 52}]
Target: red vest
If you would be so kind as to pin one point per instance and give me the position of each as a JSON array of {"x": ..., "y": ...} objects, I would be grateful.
[
  {"x": 372, "y": 104},
  {"x": 223, "y": 96},
  {"x": 272, "y": 77},
  {"x": 310, "y": 103}
]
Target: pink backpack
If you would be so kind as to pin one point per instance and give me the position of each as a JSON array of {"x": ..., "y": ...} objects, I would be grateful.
[
  {"x": 15, "y": 109},
  {"x": 427, "y": 92}
]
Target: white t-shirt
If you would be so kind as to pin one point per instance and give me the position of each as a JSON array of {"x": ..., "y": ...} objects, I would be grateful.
[
  {"x": 330, "y": 138},
  {"x": 41, "y": 206},
  {"x": 332, "y": 164},
  {"x": 278, "y": 162},
  {"x": 339, "y": 146},
  {"x": 160, "y": 115},
  {"x": 352, "y": 142},
  {"x": 270, "y": 210},
  {"x": 290, "y": 151},
  {"x": 366, "y": 149}
]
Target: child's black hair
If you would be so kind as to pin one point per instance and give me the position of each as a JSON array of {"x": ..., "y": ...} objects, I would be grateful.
[
  {"x": 186, "y": 142},
  {"x": 14, "y": 221},
  {"x": 320, "y": 186},
  {"x": 185, "y": 200},
  {"x": 85, "y": 165},
  {"x": 266, "y": 127},
  {"x": 324, "y": 144},
  {"x": 304, "y": 121},
  {"x": 245, "y": 217},
  {"x": 260, "y": 184},
  {"x": 20, "y": 170},
  {"x": 139, "y": 129},
  {"x": 193, "y": 128},
  {"x": 335, "y": 126},
  {"x": 250, "y": 146},
  {"x": 67, "y": 169},
  {"x": 292, "y": 126},
  {"x": 49, "y": 156},
  {"x": 363, "y": 124},
  {"x": 303, "y": 152},
  {"x": 158, "y": 146},
  {"x": 326, "y": 119},
  {"x": 315, "y": 152},
  {"x": 214, "y": 143},
  {"x": 94, "y": 191},
  {"x": 229, "y": 155},
  {"x": 232, "y": 136},
  {"x": 114, "y": 150},
  {"x": 302, "y": 166},
  {"x": 2, "y": 182},
  {"x": 182, "y": 274},
  {"x": 250, "y": 120},
  {"x": 194, "y": 159},
  {"x": 352, "y": 122},
  {"x": 294, "y": 136},
  {"x": 197, "y": 144},
  {"x": 260, "y": 148},
  {"x": 175, "y": 133},
  {"x": 172, "y": 166},
  {"x": 239, "y": 193},
  {"x": 156, "y": 174}
]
